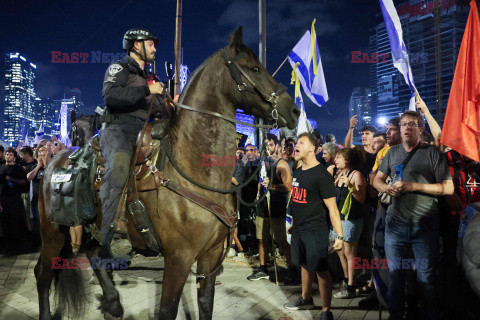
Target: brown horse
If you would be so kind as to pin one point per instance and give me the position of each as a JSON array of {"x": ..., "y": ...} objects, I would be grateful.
[{"x": 187, "y": 232}]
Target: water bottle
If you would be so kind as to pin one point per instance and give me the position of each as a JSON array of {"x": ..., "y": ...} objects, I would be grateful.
[
  {"x": 263, "y": 173},
  {"x": 398, "y": 176}
]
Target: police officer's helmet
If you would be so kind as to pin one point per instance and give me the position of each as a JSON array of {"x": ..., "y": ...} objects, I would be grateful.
[{"x": 137, "y": 34}]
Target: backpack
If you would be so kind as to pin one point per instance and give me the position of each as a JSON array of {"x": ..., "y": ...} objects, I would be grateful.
[{"x": 73, "y": 200}]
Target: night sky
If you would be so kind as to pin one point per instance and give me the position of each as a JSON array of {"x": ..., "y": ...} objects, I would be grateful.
[{"x": 36, "y": 28}]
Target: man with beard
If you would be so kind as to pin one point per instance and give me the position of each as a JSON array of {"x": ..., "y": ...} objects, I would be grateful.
[
  {"x": 274, "y": 223},
  {"x": 127, "y": 95}
]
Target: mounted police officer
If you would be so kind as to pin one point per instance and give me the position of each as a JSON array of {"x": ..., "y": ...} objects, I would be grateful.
[{"x": 127, "y": 96}]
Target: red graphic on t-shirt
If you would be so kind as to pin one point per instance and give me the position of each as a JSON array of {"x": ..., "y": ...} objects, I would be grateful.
[{"x": 299, "y": 195}]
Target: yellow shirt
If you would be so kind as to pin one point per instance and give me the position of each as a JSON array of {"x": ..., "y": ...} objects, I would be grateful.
[{"x": 380, "y": 154}]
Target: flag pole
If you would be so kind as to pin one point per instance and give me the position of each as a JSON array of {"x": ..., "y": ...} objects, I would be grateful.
[
  {"x": 281, "y": 65},
  {"x": 178, "y": 46}
]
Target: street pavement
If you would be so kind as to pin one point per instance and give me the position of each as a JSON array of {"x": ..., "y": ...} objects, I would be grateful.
[{"x": 140, "y": 291}]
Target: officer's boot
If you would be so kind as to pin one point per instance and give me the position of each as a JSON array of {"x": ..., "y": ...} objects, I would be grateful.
[{"x": 121, "y": 245}]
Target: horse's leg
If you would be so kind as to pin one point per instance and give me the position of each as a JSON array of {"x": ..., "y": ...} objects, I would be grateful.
[
  {"x": 206, "y": 286},
  {"x": 51, "y": 247},
  {"x": 110, "y": 300},
  {"x": 174, "y": 278},
  {"x": 69, "y": 286}
]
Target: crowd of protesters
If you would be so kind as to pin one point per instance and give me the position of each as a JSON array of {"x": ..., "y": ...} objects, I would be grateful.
[
  {"x": 21, "y": 170},
  {"x": 326, "y": 197},
  {"x": 402, "y": 173}
]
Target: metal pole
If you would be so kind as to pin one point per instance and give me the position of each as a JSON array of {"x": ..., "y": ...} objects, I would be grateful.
[
  {"x": 178, "y": 45},
  {"x": 262, "y": 30},
  {"x": 262, "y": 50},
  {"x": 438, "y": 61}
]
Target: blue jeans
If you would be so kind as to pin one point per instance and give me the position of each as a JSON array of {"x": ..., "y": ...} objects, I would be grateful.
[{"x": 401, "y": 239}]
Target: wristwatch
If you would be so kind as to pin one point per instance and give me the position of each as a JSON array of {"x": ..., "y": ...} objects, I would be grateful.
[{"x": 340, "y": 238}]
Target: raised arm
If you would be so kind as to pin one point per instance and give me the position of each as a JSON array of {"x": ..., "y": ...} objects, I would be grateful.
[
  {"x": 349, "y": 137},
  {"x": 432, "y": 123}
]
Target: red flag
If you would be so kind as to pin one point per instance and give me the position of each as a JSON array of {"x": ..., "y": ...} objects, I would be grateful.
[{"x": 461, "y": 128}]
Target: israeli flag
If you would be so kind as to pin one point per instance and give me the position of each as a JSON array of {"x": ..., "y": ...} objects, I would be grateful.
[
  {"x": 302, "y": 125},
  {"x": 26, "y": 141},
  {"x": 313, "y": 81},
  {"x": 39, "y": 134},
  {"x": 399, "y": 50}
]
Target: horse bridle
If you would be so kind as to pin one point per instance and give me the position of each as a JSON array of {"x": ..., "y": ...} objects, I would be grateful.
[{"x": 237, "y": 73}]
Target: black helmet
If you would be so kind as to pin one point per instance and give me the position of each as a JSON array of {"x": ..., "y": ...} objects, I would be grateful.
[{"x": 137, "y": 34}]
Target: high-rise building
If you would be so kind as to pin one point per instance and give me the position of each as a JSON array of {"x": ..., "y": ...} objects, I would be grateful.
[
  {"x": 390, "y": 93},
  {"x": 19, "y": 97},
  {"x": 76, "y": 96},
  {"x": 48, "y": 113},
  {"x": 360, "y": 105},
  {"x": 240, "y": 128}
]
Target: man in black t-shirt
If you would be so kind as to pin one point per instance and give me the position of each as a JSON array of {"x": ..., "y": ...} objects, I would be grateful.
[
  {"x": 313, "y": 193},
  {"x": 13, "y": 182}
]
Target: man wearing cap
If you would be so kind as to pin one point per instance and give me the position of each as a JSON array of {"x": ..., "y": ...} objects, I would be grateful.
[{"x": 127, "y": 95}]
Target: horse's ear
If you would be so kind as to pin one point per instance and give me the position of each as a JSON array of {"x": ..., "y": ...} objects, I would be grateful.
[
  {"x": 73, "y": 116},
  {"x": 236, "y": 38}
]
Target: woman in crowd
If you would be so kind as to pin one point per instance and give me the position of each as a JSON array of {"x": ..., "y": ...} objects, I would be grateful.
[
  {"x": 351, "y": 188},
  {"x": 330, "y": 151}
]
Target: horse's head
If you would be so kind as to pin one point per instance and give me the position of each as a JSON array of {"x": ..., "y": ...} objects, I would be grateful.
[
  {"x": 82, "y": 129},
  {"x": 253, "y": 87}
]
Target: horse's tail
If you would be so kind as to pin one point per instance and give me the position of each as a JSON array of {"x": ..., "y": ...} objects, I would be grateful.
[{"x": 69, "y": 285}]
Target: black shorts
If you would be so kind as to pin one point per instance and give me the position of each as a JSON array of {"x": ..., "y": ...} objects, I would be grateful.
[{"x": 310, "y": 249}]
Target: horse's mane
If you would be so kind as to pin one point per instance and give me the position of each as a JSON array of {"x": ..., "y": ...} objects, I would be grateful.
[{"x": 194, "y": 74}]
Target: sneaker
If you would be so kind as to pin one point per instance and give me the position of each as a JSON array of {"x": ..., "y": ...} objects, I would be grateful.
[
  {"x": 344, "y": 294},
  {"x": 326, "y": 315},
  {"x": 231, "y": 253},
  {"x": 258, "y": 275},
  {"x": 300, "y": 304}
]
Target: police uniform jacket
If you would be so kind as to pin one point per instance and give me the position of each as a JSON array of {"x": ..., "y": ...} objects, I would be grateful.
[{"x": 125, "y": 89}]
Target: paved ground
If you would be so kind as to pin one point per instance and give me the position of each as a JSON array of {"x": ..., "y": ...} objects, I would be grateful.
[{"x": 140, "y": 287}]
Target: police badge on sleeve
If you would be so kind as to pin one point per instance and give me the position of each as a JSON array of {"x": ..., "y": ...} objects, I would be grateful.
[{"x": 114, "y": 69}]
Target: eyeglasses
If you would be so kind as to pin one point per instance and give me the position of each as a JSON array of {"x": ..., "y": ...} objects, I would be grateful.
[
  {"x": 409, "y": 124},
  {"x": 248, "y": 150}
]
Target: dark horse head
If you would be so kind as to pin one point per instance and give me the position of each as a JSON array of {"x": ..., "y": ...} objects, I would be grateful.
[
  {"x": 83, "y": 128},
  {"x": 243, "y": 80}
]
